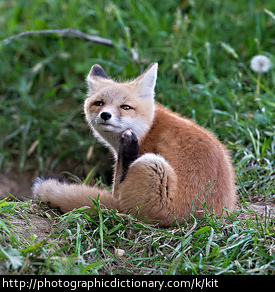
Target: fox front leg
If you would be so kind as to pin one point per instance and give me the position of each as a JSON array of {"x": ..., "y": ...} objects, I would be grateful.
[{"x": 128, "y": 152}]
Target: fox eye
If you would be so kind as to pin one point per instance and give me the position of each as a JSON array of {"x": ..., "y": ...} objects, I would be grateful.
[
  {"x": 99, "y": 103},
  {"x": 126, "y": 107}
]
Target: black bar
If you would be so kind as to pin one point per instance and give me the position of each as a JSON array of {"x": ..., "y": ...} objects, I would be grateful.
[{"x": 158, "y": 283}]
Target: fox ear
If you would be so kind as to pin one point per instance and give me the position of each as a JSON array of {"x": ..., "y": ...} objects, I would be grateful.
[
  {"x": 97, "y": 70},
  {"x": 146, "y": 82},
  {"x": 93, "y": 79}
]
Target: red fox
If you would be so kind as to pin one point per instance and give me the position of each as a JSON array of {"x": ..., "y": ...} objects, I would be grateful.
[{"x": 167, "y": 167}]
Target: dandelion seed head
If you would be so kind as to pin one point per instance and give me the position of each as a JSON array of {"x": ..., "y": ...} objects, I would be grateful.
[
  {"x": 260, "y": 63},
  {"x": 175, "y": 67}
]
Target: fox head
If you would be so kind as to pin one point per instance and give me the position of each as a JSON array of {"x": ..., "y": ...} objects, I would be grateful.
[{"x": 112, "y": 107}]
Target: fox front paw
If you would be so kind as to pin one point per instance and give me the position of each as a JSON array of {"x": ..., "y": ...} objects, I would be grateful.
[
  {"x": 128, "y": 147},
  {"x": 128, "y": 150}
]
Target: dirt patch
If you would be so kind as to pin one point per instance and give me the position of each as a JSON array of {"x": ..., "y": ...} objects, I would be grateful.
[
  {"x": 33, "y": 218},
  {"x": 39, "y": 226},
  {"x": 260, "y": 209},
  {"x": 14, "y": 184}
]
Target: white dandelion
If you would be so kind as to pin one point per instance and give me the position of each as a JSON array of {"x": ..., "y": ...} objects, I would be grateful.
[{"x": 260, "y": 64}]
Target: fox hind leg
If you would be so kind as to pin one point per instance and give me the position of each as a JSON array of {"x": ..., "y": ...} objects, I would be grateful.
[{"x": 150, "y": 186}]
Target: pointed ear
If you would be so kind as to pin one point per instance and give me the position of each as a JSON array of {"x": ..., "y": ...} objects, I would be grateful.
[
  {"x": 97, "y": 70},
  {"x": 93, "y": 79},
  {"x": 146, "y": 82}
]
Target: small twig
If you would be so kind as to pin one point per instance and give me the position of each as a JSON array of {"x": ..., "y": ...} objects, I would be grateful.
[
  {"x": 77, "y": 33},
  {"x": 66, "y": 31}
]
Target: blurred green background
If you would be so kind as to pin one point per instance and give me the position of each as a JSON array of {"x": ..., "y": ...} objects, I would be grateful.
[{"x": 203, "y": 49}]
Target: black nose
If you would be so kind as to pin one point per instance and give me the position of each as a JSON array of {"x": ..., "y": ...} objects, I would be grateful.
[{"x": 105, "y": 116}]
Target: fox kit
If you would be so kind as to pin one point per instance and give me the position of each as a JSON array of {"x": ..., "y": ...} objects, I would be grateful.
[{"x": 167, "y": 167}]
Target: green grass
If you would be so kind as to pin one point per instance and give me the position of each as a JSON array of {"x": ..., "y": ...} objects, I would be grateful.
[
  {"x": 204, "y": 51},
  {"x": 38, "y": 240}
]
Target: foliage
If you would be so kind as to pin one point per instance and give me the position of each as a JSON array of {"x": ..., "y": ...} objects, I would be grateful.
[{"x": 204, "y": 50}]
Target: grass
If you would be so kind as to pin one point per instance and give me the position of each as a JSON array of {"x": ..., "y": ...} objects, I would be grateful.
[
  {"x": 203, "y": 49},
  {"x": 38, "y": 240}
]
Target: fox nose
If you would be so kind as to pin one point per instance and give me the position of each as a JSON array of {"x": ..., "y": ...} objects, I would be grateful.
[{"x": 105, "y": 116}]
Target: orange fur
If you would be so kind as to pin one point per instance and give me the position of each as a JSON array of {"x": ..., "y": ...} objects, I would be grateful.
[{"x": 179, "y": 168}]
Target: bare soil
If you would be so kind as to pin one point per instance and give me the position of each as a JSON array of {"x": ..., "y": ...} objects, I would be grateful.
[
  {"x": 36, "y": 224},
  {"x": 16, "y": 185}
]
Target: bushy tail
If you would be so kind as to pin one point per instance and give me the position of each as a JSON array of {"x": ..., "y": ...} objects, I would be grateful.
[{"x": 67, "y": 196}]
